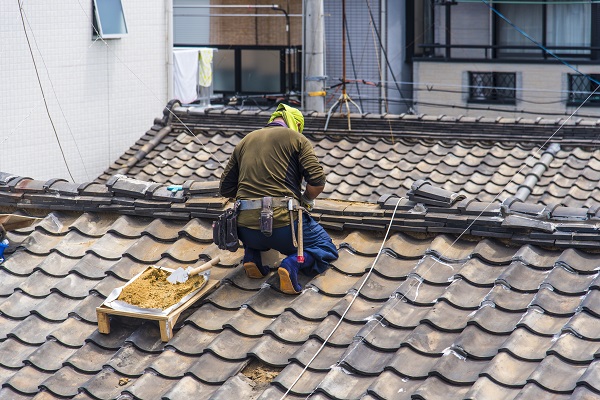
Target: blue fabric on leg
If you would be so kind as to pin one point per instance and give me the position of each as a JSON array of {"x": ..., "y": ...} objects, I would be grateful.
[
  {"x": 291, "y": 266},
  {"x": 319, "y": 245}
]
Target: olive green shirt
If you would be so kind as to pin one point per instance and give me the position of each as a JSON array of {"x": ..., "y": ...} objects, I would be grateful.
[{"x": 271, "y": 161}]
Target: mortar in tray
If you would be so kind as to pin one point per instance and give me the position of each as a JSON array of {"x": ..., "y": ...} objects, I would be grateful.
[{"x": 150, "y": 292}]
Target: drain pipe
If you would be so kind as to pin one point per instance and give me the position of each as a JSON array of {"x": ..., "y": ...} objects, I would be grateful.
[
  {"x": 169, "y": 46},
  {"x": 532, "y": 179}
]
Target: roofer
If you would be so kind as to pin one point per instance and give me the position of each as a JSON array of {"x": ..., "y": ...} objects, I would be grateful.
[{"x": 265, "y": 173}]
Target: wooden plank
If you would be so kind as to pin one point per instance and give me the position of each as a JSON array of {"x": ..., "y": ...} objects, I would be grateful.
[
  {"x": 103, "y": 322},
  {"x": 166, "y": 322}
]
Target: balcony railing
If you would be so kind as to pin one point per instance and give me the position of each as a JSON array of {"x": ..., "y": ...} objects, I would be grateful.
[{"x": 504, "y": 52}]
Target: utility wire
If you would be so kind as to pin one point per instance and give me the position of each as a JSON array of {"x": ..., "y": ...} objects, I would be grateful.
[
  {"x": 56, "y": 96},
  {"x": 541, "y": 46},
  {"x": 351, "y": 58},
  {"x": 535, "y": 155},
  {"x": 387, "y": 61},
  {"x": 42, "y": 90},
  {"x": 412, "y": 285},
  {"x": 204, "y": 147}
]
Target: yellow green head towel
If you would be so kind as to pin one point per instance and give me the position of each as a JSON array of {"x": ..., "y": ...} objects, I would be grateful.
[{"x": 290, "y": 115}]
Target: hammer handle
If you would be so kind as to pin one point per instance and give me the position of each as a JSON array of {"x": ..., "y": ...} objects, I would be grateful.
[
  {"x": 204, "y": 267},
  {"x": 300, "y": 257}
]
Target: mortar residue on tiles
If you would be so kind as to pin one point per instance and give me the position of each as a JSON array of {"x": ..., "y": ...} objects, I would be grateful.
[{"x": 152, "y": 290}]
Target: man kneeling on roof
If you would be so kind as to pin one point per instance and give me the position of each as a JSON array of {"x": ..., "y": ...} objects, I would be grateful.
[{"x": 265, "y": 174}]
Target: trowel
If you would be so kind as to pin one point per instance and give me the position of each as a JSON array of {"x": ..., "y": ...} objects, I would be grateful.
[{"x": 181, "y": 275}]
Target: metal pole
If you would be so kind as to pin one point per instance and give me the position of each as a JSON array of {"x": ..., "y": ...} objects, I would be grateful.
[
  {"x": 288, "y": 58},
  {"x": 344, "y": 48},
  {"x": 314, "y": 64},
  {"x": 169, "y": 47}
]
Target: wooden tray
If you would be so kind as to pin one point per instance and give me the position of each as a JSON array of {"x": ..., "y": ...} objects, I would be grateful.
[{"x": 165, "y": 322}]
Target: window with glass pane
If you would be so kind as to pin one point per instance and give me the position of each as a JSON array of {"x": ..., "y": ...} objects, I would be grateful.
[
  {"x": 584, "y": 88},
  {"x": 559, "y": 27},
  {"x": 569, "y": 25},
  {"x": 529, "y": 18},
  {"x": 224, "y": 71},
  {"x": 109, "y": 19},
  {"x": 492, "y": 87},
  {"x": 261, "y": 71}
]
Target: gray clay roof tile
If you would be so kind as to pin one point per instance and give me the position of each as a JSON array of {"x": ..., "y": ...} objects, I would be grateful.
[{"x": 466, "y": 300}]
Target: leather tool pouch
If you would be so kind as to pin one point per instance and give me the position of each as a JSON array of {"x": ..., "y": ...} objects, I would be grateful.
[
  {"x": 266, "y": 216},
  {"x": 225, "y": 230}
]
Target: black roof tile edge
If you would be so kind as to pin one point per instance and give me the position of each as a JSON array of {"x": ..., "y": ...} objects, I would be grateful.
[
  {"x": 515, "y": 222},
  {"x": 406, "y": 125}
]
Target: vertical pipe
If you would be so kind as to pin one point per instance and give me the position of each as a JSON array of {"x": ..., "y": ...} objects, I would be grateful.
[
  {"x": 448, "y": 29},
  {"x": 303, "y": 71},
  {"x": 169, "y": 47},
  {"x": 344, "y": 48},
  {"x": 314, "y": 66},
  {"x": 384, "y": 78}
]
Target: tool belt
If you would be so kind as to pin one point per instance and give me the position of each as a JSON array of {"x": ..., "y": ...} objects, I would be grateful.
[
  {"x": 255, "y": 204},
  {"x": 225, "y": 229},
  {"x": 266, "y": 205}
]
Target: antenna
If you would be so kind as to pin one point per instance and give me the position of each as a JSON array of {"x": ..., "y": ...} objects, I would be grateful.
[{"x": 344, "y": 99}]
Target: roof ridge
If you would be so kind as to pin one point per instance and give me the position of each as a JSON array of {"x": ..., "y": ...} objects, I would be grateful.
[{"x": 428, "y": 209}]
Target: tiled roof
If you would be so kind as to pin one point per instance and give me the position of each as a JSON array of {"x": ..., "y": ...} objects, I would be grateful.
[
  {"x": 466, "y": 299},
  {"x": 486, "y": 159}
]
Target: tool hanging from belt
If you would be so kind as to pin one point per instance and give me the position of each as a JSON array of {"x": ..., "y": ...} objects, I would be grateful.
[
  {"x": 266, "y": 205},
  {"x": 300, "y": 243}
]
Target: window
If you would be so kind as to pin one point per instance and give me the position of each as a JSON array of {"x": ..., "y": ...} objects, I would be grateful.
[
  {"x": 261, "y": 71},
  {"x": 109, "y": 19},
  {"x": 249, "y": 70},
  {"x": 561, "y": 27},
  {"x": 580, "y": 88},
  {"x": 492, "y": 87}
]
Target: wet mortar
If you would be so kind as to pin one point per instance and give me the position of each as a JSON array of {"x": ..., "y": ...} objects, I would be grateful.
[{"x": 152, "y": 290}]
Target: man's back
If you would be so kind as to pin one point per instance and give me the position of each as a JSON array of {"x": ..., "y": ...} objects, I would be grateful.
[{"x": 271, "y": 162}]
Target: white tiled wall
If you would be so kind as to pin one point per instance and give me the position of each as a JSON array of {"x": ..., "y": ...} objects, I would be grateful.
[{"x": 101, "y": 96}]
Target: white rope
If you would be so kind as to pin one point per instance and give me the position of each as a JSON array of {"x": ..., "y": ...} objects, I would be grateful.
[
  {"x": 413, "y": 285},
  {"x": 351, "y": 302}
]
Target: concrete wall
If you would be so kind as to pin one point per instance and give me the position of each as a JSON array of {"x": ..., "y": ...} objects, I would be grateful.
[
  {"x": 441, "y": 88},
  {"x": 101, "y": 96}
]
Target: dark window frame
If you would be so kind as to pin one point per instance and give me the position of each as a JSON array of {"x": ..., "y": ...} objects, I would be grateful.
[
  {"x": 492, "y": 87},
  {"x": 293, "y": 80},
  {"x": 535, "y": 51},
  {"x": 578, "y": 92},
  {"x": 489, "y": 52}
]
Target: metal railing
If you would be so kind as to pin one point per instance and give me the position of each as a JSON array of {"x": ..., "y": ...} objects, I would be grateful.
[{"x": 509, "y": 52}]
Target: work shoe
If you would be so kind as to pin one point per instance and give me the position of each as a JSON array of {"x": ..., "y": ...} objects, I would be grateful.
[
  {"x": 254, "y": 271},
  {"x": 253, "y": 264},
  {"x": 288, "y": 276}
]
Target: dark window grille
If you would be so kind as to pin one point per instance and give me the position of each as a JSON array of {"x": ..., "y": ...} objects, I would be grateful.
[
  {"x": 581, "y": 87},
  {"x": 492, "y": 87}
]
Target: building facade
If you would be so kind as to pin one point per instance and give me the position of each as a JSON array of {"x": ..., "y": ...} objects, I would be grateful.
[
  {"x": 510, "y": 58},
  {"x": 260, "y": 49},
  {"x": 59, "y": 79}
]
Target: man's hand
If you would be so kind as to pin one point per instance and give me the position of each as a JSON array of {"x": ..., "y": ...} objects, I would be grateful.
[{"x": 306, "y": 203}]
